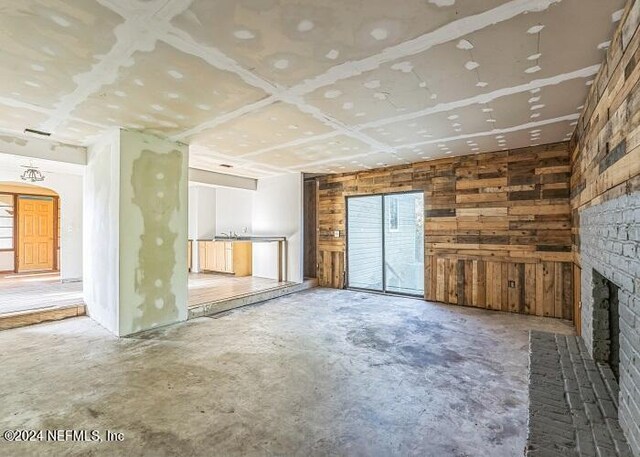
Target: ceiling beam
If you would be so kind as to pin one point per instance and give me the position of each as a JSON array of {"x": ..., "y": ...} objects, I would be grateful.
[
  {"x": 211, "y": 178},
  {"x": 41, "y": 149}
]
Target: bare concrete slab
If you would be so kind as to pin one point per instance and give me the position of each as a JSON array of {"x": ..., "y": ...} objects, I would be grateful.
[{"x": 320, "y": 372}]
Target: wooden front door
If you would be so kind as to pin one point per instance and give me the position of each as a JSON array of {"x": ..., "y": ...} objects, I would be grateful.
[{"x": 36, "y": 219}]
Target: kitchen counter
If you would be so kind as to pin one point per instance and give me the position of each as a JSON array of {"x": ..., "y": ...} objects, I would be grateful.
[
  {"x": 219, "y": 253},
  {"x": 253, "y": 239}
]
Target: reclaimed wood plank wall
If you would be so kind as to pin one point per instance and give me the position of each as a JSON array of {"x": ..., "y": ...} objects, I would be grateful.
[
  {"x": 605, "y": 150},
  {"x": 497, "y": 227}
]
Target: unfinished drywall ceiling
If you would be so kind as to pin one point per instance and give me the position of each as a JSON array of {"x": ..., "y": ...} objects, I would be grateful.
[
  {"x": 265, "y": 128},
  {"x": 167, "y": 91},
  {"x": 268, "y": 86},
  {"x": 46, "y": 44},
  {"x": 287, "y": 41}
]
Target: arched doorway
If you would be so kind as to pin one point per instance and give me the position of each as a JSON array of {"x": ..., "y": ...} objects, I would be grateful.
[
  {"x": 29, "y": 234},
  {"x": 31, "y": 289}
]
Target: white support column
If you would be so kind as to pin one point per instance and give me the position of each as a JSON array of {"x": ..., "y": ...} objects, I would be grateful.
[{"x": 136, "y": 232}]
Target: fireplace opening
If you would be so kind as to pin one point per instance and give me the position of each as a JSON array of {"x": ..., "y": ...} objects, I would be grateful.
[{"x": 606, "y": 323}]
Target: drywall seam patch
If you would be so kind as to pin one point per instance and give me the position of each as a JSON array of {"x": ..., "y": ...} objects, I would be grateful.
[
  {"x": 450, "y": 32},
  {"x": 131, "y": 36},
  {"x": 246, "y": 109},
  {"x": 529, "y": 125},
  {"x": 298, "y": 142},
  {"x": 145, "y": 25},
  {"x": 443, "y": 107},
  {"x": 486, "y": 98},
  {"x": 182, "y": 41}
]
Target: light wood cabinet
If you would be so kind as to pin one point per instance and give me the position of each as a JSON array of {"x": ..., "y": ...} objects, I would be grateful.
[
  {"x": 202, "y": 255},
  {"x": 234, "y": 257},
  {"x": 228, "y": 257},
  {"x": 218, "y": 253}
]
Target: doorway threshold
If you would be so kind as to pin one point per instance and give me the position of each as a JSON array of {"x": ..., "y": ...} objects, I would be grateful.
[
  {"x": 391, "y": 294},
  {"x": 31, "y": 275}
]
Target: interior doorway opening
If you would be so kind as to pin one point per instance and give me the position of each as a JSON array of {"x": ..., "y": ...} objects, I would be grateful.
[
  {"x": 31, "y": 290},
  {"x": 29, "y": 229}
]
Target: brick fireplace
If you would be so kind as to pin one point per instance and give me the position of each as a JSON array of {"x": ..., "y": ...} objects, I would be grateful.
[
  {"x": 606, "y": 322},
  {"x": 610, "y": 259}
]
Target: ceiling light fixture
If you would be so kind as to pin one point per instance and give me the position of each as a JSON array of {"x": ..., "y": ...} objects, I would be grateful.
[{"x": 31, "y": 174}]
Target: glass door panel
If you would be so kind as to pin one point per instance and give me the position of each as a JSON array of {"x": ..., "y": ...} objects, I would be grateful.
[
  {"x": 404, "y": 243},
  {"x": 364, "y": 242}
]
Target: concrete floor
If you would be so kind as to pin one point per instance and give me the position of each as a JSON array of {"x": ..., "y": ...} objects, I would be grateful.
[{"x": 318, "y": 373}]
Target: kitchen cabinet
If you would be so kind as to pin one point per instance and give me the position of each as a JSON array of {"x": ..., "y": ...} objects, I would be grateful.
[{"x": 234, "y": 257}]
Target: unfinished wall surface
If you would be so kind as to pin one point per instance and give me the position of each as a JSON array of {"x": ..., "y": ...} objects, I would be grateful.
[
  {"x": 490, "y": 220},
  {"x": 277, "y": 211},
  {"x": 153, "y": 232},
  {"x": 101, "y": 231},
  {"x": 136, "y": 232},
  {"x": 605, "y": 200}
]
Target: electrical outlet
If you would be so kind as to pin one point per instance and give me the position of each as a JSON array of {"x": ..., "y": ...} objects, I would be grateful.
[
  {"x": 512, "y": 284},
  {"x": 336, "y": 233}
]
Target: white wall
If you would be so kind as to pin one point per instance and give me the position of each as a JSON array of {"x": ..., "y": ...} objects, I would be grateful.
[
  {"x": 192, "y": 229},
  {"x": 69, "y": 187},
  {"x": 234, "y": 211},
  {"x": 202, "y": 212},
  {"x": 202, "y": 219},
  {"x": 277, "y": 211},
  {"x": 101, "y": 232},
  {"x": 206, "y": 227},
  {"x": 7, "y": 260}
]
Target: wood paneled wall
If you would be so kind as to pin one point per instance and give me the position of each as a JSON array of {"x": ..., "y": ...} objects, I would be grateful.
[
  {"x": 497, "y": 227},
  {"x": 310, "y": 229},
  {"x": 605, "y": 150}
]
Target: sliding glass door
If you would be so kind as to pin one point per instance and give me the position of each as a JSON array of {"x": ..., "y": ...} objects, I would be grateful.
[
  {"x": 385, "y": 243},
  {"x": 364, "y": 242}
]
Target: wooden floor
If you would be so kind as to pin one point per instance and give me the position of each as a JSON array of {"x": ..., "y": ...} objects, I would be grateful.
[
  {"x": 19, "y": 293},
  {"x": 30, "y": 299},
  {"x": 209, "y": 287}
]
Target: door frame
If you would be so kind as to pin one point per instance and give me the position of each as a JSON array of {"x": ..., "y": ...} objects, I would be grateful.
[
  {"x": 16, "y": 230},
  {"x": 384, "y": 290}
]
